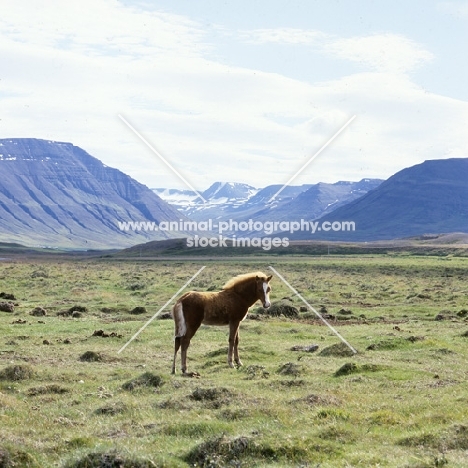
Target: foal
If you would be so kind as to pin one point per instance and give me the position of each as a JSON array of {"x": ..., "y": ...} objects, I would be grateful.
[{"x": 226, "y": 307}]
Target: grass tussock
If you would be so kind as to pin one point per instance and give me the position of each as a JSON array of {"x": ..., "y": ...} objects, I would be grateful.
[
  {"x": 220, "y": 451},
  {"x": 453, "y": 438},
  {"x": 91, "y": 356},
  {"x": 112, "y": 409},
  {"x": 224, "y": 452},
  {"x": 337, "y": 350},
  {"x": 291, "y": 369},
  {"x": 255, "y": 372},
  {"x": 112, "y": 459},
  {"x": 215, "y": 397},
  {"x": 353, "y": 368},
  {"x": 146, "y": 380},
  {"x": 17, "y": 372},
  {"x": 54, "y": 389},
  {"x": 317, "y": 400},
  {"x": 15, "y": 457}
]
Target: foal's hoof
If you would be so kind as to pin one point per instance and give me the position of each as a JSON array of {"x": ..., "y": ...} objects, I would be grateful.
[{"x": 194, "y": 375}]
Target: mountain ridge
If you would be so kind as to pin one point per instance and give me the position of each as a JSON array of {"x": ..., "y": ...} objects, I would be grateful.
[
  {"x": 427, "y": 198},
  {"x": 55, "y": 193},
  {"x": 308, "y": 201}
]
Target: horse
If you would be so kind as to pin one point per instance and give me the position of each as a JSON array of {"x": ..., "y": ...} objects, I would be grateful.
[{"x": 226, "y": 307}]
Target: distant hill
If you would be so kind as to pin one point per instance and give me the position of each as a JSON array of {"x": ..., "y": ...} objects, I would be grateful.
[
  {"x": 239, "y": 202},
  {"x": 220, "y": 199},
  {"x": 56, "y": 194},
  {"x": 429, "y": 198},
  {"x": 229, "y": 191},
  {"x": 322, "y": 198}
]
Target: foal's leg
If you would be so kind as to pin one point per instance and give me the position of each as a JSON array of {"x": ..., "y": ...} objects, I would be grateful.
[
  {"x": 183, "y": 353},
  {"x": 236, "y": 350},
  {"x": 176, "y": 348},
  {"x": 185, "y": 343},
  {"x": 233, "y": 341}
]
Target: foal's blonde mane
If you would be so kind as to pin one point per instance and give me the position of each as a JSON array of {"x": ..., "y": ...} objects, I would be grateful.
[{"x": 233, "y": 282}]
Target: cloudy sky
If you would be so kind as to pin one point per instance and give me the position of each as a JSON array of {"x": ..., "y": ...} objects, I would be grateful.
[{"x": 239, "y": 90}]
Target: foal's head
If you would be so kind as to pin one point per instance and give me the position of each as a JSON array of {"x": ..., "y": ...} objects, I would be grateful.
[{"x": 263, "y": 289}]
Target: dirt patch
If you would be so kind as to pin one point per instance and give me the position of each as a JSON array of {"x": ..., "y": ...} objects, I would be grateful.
[
  {"x": 352, "y": 368},
  {"x": 39, "y": 274},
  {"x": 306, "y": 349},
  {"x": 47, "y": 389},
  {"x": 291, "y": 369},
  {"x": 109, "y": 460},
  {"x": 214, "y": 397},
  {"x": 137, "y": 310},
  {"x": 7, "y": 296},
  {"x": 445, "y": 315},
  {"x": 148, "y": 380},
  {"x": 284, "y": 307},
  {"x": 103, "y": 334},
  {"x": 78, "y": 308},
  {"x": 346, "y": 369},
  {"x": 38, "y": 312},
  {"x": 413, "y": 339},
  {"x": 256, "y": 372},
  {"x": 91, "y": 356},
  {"x": 219, "y": 452},
  {"x": 7, "y": 307},
  {"x": 345, "y": 312},
  {"x": 175, "y": 404},
  {"x": 165, "y": 316},
  {"x": 16, "y": 373},
  {"x": 112, "y": 409},
  {"x": 75, "y": 311},
  {"x": 336, "y": 350}
]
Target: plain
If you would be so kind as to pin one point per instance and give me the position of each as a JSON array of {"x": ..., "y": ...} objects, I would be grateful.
[{"x": 68, "y": 399}]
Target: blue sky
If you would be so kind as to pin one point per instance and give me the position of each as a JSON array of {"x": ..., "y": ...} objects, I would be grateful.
[{"x": 243, "y": 91}]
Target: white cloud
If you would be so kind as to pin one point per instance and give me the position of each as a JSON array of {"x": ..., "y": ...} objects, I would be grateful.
[
  {"x": 385, "y": 52},
  {"x": 66, "y": 74},
  {"x": 381, "y": 52},
  {"x": 104, "y": 27},
  {"x": 293, "y": 36}
]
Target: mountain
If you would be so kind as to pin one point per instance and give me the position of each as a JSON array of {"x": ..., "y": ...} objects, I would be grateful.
[
  {"x": 229, "y": 191},
  {"x": 240, "y": 202},
  {"x": 429, "y": 198},
  {"x": 179, "y": 199},
  {"x": 220, "y": 197},
  {"x": 322, "y": 198},
  {"x": 228, "y": 200},
  {"x": 56, "y": 194}
]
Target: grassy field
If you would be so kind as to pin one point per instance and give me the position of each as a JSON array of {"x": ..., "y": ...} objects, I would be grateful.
[{"x": 69, "y": 399}]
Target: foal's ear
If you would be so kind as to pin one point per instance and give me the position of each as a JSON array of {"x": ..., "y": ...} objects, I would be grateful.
[{"x": 269, "y": 278}]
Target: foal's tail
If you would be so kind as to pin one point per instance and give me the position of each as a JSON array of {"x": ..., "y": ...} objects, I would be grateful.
[{"x": 179, "y": 319}]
